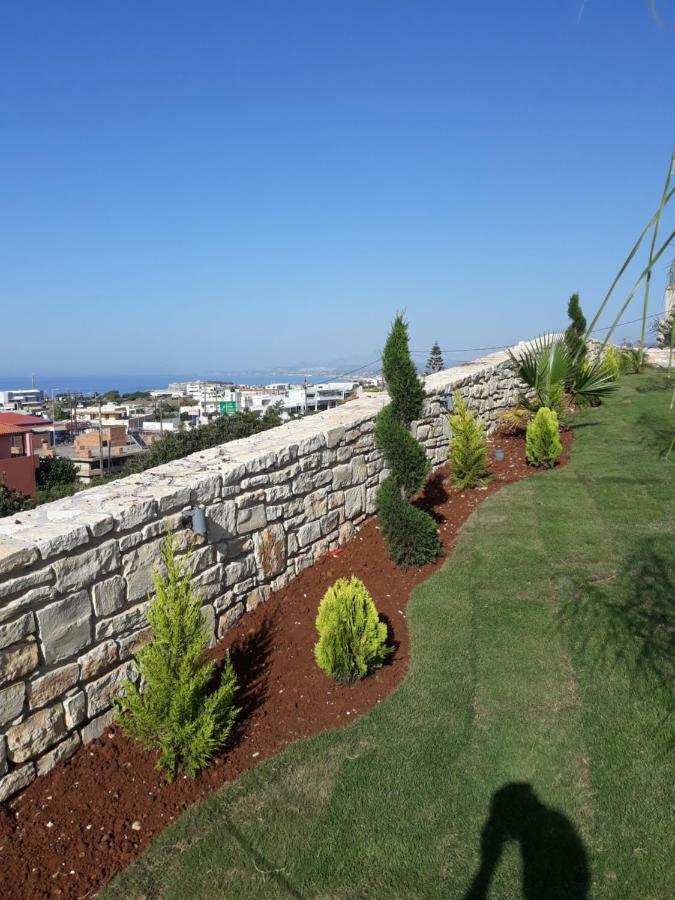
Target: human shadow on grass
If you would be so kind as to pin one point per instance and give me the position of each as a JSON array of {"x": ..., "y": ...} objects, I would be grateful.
[
  {"x": 628, "y": 617},
  {"x": 554, "y": 862}
]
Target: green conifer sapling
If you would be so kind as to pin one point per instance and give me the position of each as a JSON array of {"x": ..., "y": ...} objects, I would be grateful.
[{"x": 176, "y": 712}]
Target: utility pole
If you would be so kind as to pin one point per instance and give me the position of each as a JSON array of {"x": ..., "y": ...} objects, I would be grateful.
[{"x": 100, "y": 436}]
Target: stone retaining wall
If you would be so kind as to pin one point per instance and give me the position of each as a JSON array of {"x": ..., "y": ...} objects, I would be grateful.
[{"x": 75, "y": 574}]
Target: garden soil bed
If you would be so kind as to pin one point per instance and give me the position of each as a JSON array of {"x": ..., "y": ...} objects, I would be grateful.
[{"x": 72, "y": 830}]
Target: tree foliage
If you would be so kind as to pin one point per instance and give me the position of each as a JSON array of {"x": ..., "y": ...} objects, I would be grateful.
[
  {"x": 177, "y": 444},
  {"x": 410, "y": 534},
  {"x": 403, "y": 382},
  {"x": 175, "y": 711},
  {"x": 11, "y": 501},
  {"x": 55, "y": 471},
  {"x": 352, "y": 639},
  {"x": 575, "y": 333},
  {"x": 542, "y": 439},
  {"x": 468, "y": 455},
  {"x": 435, "y": 362}
]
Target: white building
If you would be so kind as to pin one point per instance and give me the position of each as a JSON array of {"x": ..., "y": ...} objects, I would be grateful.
[{"x": 22, "y": 397}]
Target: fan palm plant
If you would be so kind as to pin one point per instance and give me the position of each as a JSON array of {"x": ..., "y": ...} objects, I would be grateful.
[{"x": 555, "y": 377}]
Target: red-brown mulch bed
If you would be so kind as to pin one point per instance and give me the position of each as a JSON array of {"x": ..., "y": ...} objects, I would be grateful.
[{"x": 72, "y": 830}]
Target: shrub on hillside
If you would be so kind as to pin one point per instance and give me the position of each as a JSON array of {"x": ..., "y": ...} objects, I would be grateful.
[
  {"x": 542, "y": 440},
  {"x": 468, "y": 456},
  {"x": 175, "y": 711},
  {"x": 352, "y": 639},
  {"x": 407, "y": 530},
  {"x": 411, "y": 535},
  {"x": 55, "y": 471},
  {"x": 177, "y": 444},
  {"x": 11, "y": 501}
]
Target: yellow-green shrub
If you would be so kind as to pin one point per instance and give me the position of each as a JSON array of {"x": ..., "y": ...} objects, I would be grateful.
[
  {"x": 542, "y": 439},
  {"x": 468, "y": 456},
  {"x": 352, "y": 640}
]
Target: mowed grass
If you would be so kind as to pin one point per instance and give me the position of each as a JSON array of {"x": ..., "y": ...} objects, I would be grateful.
[{"x": 542, "y": 657}]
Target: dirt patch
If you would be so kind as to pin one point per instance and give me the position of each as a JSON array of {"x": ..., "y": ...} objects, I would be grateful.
[{"x": 72, "y": 830}]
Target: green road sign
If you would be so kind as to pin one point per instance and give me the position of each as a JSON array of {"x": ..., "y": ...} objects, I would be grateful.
[{"x": 227, "y": 407}]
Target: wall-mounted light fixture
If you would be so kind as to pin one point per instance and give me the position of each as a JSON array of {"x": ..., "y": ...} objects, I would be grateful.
[
  {"x": 193, "y": 518},
  {"x": 450, "y": 403}
]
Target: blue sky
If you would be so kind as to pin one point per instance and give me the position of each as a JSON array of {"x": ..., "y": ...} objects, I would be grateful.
[{"x": 196, "y": 186}]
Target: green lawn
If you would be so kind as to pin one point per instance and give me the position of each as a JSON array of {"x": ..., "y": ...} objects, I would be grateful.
[{"x": 542, "y": 659}]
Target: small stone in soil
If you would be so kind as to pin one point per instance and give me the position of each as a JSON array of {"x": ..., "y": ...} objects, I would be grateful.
[{"x": 136, "y": 826}]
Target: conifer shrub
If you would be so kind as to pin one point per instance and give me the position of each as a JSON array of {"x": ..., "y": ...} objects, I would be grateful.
[
  {"x": 468, "y": 456},
  {"x": 352, "y": 639},
  {"x": 176, "y": 711},
  {"x": 574, "y": 335},
  {"x": 410, "y": 534},
  {"x": 407, "y": 530},
  {"x": 405, "y": 457},
  {"x": 542, "y": 439}
]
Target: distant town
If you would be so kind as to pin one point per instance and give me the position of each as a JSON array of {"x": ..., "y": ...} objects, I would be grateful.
[{"x": 100, "y": 433}]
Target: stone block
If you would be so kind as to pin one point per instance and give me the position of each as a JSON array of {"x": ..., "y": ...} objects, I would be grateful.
[
  {"x": 53, "y": 538},
  {"x": 221, "y": 521},
  {"x": 100, "y": 693},
  {"x": 16, "y": 780},
  {"x": 309, "y": 533},
  {"x": 342, "y": 477},
  {"x": 74, "y": 709},
  {"x": 35, "y": 734},
  {"x": 251, "y": 518},
  {"x": 131, "y": 620},
  {"x": 65, "y": 627},
  {"x": 97, "y": 660},
  {"x": 211, "y": 583},
  {"x": 15, "y": 555},
  {"x": 229, "y": 618},
  {"x": 239, "y": 570},
  {"x": 359, "y": 470},
  {"x": 316, "y": 504},
  {"x": 270, "y": 550},
  {"x": 354, "y": 502},
  {"x": 209, "y": 616},
  {"x": 27, "y": 582},
  {"x": 15, "y": 631},
  {"x": 17, "y": 661},
  {"x": 132, "y": 642},
  {"x": 258, "y": 596},
  {"x": 46, "y": 688},
  {"x": 11, "y": 702},
  {"x": 329, "y": 522},
  {"x": 96, "y": 727},
  {"x": 79, "y": 571},
  {"x": 138, "y": 567},
  {"x": 109, "y": 596},
  {"x": 334, "y": 436},
  {"x": 62, "y": 751}
]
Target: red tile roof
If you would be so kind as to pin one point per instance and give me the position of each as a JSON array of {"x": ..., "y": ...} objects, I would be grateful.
[
  {"x": 11, "y": 429},
  {"x": 23, "y": 423}
]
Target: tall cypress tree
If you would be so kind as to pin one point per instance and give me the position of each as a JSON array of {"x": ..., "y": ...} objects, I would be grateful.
[
  {"x": 410, "y": 534},
  {"x": 574, "y": 335},
  {"x": 435, "y": 362}
]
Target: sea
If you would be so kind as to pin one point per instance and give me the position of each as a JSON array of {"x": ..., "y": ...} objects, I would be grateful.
[{"x": 100, "y": 384}]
